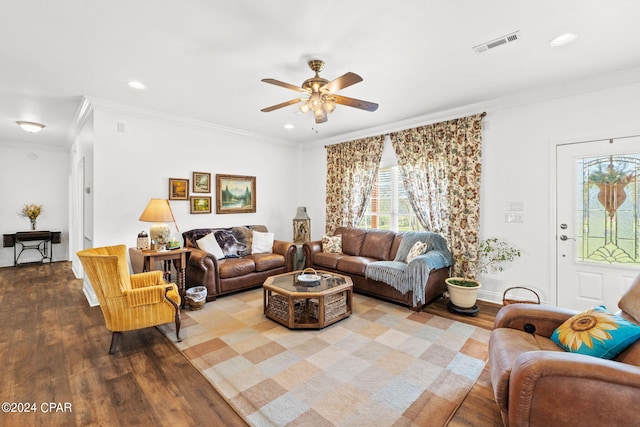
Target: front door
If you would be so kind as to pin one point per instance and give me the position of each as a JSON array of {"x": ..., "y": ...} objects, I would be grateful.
[{"x": 597, "y": 221}]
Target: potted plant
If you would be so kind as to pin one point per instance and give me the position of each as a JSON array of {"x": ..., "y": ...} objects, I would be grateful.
[{"x": 463, "y": 291}]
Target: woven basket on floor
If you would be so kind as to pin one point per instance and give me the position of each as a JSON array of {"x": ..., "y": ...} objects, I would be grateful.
[
  {"x": 194, "y": 305},
  {"x": 506, "y": 300}
]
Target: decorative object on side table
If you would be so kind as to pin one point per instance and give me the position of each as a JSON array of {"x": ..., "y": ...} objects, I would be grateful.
[
  {"x": 143, "y": 241},
  {"x": 463, "y": 291},
  {"x": 159, "y": 212},
  {"x": 31, "y": 211},
  {"x": 301, "y": 226}
]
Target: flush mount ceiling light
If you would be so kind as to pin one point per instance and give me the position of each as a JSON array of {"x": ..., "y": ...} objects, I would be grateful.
[
  {"x": 32, "y": 127},
  {"x": 136, "y": 85},
  {"x": 563, "y": 39}
]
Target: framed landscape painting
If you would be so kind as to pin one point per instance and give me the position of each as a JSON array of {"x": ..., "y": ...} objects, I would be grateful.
[
  {"x": 235, "y": 194},
  {"x": 201, "y": 182},
  {"x": 200, "y": 204},
  {"x": 178, "y": 189}
]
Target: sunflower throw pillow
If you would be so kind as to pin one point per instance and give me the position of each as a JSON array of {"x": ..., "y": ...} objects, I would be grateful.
[{"x": 596, "y": 332}]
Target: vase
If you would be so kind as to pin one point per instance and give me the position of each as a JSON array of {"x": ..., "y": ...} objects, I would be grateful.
[{"x": 33, "y": 223}]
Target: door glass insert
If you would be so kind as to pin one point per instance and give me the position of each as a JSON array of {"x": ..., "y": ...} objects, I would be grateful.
[{"x": 608, "y": 219}]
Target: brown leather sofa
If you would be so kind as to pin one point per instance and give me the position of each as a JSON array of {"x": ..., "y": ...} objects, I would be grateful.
[
  {"x": 361, "y": 247},
  {"x": 227, "y": 275},
  {"x": 537, "y": 383}
]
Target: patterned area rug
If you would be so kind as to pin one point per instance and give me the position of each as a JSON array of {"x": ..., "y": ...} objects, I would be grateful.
[{"x": 384, "y": 365}]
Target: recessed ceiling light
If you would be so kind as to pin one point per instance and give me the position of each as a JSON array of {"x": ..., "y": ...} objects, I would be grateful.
[
  {"x": 289, "y": 126},
  {"x": 32, "y": 127},
  {"x": 136, "y": 85},
  {"x": 563, "y": 39}
]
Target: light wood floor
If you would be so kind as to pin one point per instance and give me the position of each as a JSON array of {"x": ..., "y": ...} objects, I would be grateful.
[{"x": 54, "y": 352}]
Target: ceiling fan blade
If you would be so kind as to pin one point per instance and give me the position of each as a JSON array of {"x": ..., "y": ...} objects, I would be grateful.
[
  {"x": 284, "y": 104},
  {"x": 356, "y": 103},
  {"x": 320, "y": 116},
  {"x": 341, "y": 82},
  {"x": 285, "y": 85}
]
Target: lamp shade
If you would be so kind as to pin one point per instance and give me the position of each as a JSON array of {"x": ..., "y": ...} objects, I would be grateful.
[{"x": 157, "y": 210}]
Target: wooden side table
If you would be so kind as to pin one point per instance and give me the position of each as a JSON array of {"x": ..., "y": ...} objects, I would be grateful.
[{"x": 142, "y": 261}]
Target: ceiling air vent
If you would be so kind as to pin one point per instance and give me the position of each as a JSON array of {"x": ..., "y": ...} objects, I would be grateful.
[{"x": 497, "y": 42}]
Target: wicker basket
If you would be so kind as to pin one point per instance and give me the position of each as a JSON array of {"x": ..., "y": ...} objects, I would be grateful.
[
  {"x": 194, "y": 305},
  {"x": 506, "y": 300},
  {"x": 279, "y": 306},
  {"x": 334, "y": 306},
  {"x": 196, "y": 297}
]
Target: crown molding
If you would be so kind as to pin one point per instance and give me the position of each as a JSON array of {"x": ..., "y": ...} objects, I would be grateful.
[
  {"x": 144, "y": 113},
  {"x": 545, "y": 94}
]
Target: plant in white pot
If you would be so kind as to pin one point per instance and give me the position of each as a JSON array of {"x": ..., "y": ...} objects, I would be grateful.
[{"x": 463, "y": 291}]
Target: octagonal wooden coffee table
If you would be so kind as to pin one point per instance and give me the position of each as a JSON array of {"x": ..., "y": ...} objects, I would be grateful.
[{"x": 307, "y": 305}]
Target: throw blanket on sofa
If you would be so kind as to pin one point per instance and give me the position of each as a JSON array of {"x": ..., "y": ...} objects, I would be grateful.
[{"x": 413, "y": 276}]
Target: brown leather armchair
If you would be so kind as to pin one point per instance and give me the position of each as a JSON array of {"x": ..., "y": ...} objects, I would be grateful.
[
  {"x": 537, "y": 383},
  {"x": 127, "y": 301}
]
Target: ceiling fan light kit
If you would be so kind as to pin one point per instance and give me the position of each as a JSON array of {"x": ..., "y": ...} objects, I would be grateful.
[{"x": 321, "y": 98}]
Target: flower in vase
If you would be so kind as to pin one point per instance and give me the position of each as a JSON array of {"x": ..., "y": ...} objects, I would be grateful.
[{"x": 31, "y": 211}]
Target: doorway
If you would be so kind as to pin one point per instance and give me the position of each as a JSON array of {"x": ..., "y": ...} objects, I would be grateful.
[{"x": 597, "y": 221}]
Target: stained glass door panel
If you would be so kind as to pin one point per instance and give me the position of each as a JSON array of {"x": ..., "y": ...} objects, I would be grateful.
[{"x": 597, "y": 221}]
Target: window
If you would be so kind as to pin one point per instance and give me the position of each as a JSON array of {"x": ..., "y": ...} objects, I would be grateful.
[{"x": 388, "y": 207}]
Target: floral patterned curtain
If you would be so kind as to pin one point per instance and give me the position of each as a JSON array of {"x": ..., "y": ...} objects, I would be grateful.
[
  {"x": 441, "y": 165},
  {"x": 352, "y": 168}
]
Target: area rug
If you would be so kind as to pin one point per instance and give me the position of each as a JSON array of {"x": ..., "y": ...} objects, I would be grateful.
[{"x": 384, "y": 365}]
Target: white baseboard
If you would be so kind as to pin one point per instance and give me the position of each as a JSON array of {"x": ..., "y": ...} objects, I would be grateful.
[{"x": 90, "y": 295}]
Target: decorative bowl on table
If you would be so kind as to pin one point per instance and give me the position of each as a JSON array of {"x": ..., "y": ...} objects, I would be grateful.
[{"x": 308, "y": 279}]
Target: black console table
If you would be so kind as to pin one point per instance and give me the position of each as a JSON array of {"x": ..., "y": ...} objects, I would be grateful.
[{"x": 40, "y": 241}]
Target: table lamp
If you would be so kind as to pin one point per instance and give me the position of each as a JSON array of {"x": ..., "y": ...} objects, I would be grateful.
[{"x": 159, "y": 212}]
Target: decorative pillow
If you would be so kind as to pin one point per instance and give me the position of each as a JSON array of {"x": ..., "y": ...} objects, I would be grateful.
[
  {"x": 232, "y": 246},
  {"x": 332, "y": 244},
  {"x": 244, "y": 235},
  {"x": 596, "y": 332},
  {"x": 418, "y": 248},
  {"x": 262, "y": 242},
  {"x": 209, "y": 244}
]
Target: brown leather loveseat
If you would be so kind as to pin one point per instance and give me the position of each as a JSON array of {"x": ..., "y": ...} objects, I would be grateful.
[
  {"x": 537, "y": 383},
  {"x": 375, "y": 261},
  {"x": 237, "y": 268}
]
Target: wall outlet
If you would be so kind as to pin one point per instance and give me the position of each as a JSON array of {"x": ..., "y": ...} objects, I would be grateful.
[{"x": 514, "y": 217}]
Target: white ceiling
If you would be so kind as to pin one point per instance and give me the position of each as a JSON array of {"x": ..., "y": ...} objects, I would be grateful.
[{"x": 204, "y": 59}]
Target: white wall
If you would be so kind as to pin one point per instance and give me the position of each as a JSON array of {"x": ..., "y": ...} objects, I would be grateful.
[
  {"x": 134, "y": 166},
  {"x": 518, "y": 165},
  {"x": 33, "y": 174}
]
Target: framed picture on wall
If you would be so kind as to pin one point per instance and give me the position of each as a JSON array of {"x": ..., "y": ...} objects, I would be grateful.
[
  {"x": 200, "y": 204},
  {"x": 201, "y": 182},
  {"x": 178, "y": 189},
  {"x": 235, "y": 194}
]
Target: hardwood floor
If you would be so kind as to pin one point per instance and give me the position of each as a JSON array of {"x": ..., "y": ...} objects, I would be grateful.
[{"x": 54, "y": 349}]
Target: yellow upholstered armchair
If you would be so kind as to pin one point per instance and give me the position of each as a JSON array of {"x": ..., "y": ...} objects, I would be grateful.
[{"x": 127, "y": 301}]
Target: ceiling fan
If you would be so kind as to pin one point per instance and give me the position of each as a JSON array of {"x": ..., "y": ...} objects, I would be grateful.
[{"x": 321, "y": 98}]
